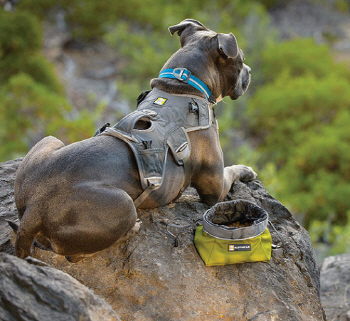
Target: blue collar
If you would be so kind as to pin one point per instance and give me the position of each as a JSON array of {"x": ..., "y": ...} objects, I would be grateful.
[{"x": 185, "y": 76}]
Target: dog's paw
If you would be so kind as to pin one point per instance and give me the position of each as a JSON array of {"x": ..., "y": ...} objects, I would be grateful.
[
  {"x": 244, "y": 173},
  {"x": 136, "y": 227}
]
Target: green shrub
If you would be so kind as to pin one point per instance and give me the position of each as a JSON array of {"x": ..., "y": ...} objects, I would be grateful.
[
  {"x": 320, "y": 167},
  {"x": 299, "y": 57},
  {"x": 300, "y": 118},
  {"x": 19, "y": 32},
  {"x": 20, "y": 37},
  {"x": 27, "y": 110},
  {"x": 284, "y": 111},
  {"x": 20, "y": 46}
]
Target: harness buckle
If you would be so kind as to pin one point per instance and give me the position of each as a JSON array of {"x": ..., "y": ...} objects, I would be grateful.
[
  {"x": 154, "y": 182},
  {"x": 179, "y": 73}
]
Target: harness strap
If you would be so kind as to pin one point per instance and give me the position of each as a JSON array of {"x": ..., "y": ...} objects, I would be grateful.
[
  {"x": 153, "y": 185},
  {"x": 187, "y": 170},
  {"x": 156, "y": 183}
]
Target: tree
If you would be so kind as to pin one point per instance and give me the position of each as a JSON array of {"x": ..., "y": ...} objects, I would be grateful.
[{"x": 32, "y": 101}]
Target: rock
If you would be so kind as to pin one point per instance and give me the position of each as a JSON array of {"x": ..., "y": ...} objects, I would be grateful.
[
  {"x": 144, "y": 277},
  {"x": 88, "y": 72},
  {"x": 308, "y": 19},
  {"x": 335, "y": 287},
  {"x": 31, "y": 292},
  {"x": 7, "y": 205}
]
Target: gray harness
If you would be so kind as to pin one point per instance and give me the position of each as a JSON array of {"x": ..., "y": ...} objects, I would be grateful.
[{"x": 159, "y": 124}]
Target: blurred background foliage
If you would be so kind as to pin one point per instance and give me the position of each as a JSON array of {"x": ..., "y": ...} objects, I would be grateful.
[{"x": 291, "y": 126}]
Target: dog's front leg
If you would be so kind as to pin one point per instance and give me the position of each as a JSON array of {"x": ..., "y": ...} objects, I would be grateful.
[
  {"x": 236, "y": 173},
  {"x": 214, "y": 184},
  {"x": 209, "y": 177}
]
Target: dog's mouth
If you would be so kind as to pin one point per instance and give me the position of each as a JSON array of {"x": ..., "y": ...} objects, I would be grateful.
[
  {"x": 246, "y": 83},
  {"x": 242, "y": 84}
]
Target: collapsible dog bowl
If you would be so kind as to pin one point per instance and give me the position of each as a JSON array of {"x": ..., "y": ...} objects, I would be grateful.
[
  {"x": 235, "y": 220},
  {"x": 233, "y": 232}
]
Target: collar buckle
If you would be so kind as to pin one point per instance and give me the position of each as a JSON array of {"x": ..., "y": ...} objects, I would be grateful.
[{"x": 182, "y": 74}]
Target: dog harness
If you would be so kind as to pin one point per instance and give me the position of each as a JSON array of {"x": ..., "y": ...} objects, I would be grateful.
[{"x": 159, "y": 124}]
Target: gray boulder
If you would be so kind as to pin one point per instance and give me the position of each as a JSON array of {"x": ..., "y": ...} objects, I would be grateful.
[
  {"x": 335, "y": 287},
  {"x": 7, "y": 205},
  {"x": 33, "y": 292},
  {"x": 144, "y": 277}
]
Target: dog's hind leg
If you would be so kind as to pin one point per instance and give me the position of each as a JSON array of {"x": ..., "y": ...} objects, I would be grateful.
[
  {"x": 26, "y": 233},
  {"x": 40, "y": 242},
  {"x": 91, "y": 217}
]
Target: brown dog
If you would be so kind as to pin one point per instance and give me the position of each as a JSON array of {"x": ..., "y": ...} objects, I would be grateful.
[{"x": 78, "y": 199}]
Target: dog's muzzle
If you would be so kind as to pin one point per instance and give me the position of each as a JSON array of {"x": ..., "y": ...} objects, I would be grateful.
[
  {"x": 242, "y": 83},
  {"x": 246, "y": 77}
]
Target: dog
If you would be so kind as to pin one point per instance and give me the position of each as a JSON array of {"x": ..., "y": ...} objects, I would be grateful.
[{"x": 79, "y": 199}]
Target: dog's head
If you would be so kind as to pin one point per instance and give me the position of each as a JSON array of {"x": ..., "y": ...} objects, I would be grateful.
[{"x": 213, "y": 57}]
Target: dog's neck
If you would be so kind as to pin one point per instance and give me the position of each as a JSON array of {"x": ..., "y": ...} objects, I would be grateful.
[
  {"x": 184, "y": 75},
  {"x": 200, "y": 66},
  {"x": 176, "y": 87}
]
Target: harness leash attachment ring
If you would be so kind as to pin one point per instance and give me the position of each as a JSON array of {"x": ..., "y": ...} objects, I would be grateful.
[{"x": 193, "y": 107}]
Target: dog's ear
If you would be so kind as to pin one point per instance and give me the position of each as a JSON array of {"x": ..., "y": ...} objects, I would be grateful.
[
  {"x": 186, "y": 28},
  {"x": 227, "y": 44},
  {"x": 185, "y": 24}
]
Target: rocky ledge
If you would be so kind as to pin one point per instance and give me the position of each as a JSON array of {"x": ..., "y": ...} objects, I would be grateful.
[
  {"x": 335, "y": 287},
  {"x": 144, "y": 277}
]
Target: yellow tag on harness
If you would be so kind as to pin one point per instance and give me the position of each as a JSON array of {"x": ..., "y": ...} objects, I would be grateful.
[{"x": 160, "y": 101}]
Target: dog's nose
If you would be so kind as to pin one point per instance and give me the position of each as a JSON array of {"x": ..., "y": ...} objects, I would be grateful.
[{"x": 248, "y": 68}]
